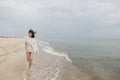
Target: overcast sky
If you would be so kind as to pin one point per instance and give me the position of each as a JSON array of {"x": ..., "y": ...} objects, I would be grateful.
[{"x": 61, "y": 18}]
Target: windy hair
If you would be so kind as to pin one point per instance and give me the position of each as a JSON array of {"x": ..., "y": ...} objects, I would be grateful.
[{"x": 33, "y": 33}]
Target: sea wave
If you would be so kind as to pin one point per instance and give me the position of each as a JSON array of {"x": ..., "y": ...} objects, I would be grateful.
[{"x": 49, "y": 49}]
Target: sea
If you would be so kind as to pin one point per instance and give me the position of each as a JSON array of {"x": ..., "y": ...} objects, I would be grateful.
[{"x": 97, "y": 58}]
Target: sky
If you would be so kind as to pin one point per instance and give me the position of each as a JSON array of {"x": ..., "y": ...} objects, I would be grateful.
[{"x": 66, "y": 19}]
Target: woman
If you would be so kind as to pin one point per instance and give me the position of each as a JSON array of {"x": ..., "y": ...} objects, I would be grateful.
[{"x": 31, "y": 46}]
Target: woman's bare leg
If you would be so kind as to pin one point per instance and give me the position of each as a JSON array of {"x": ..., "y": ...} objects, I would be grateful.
[
  {"x": 29, "y": 58},
  {"x": 30, "y": 62}
]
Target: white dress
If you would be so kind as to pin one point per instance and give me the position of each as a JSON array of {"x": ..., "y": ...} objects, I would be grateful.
[{"x": 31, "y": 45}]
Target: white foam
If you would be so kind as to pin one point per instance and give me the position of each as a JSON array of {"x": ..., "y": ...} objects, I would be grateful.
[
  {"x": 47, "y": 48},
  {"x": 48, "y": 73}
]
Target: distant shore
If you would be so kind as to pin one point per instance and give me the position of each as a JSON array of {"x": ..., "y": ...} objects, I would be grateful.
[{"x": 9, "y": 37}]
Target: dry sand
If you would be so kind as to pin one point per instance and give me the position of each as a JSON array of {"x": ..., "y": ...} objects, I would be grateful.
[{"x": 11, "y": 59}]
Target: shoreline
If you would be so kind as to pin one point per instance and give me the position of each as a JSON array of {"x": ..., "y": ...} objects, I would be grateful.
[{"x": 13, "y": 65}]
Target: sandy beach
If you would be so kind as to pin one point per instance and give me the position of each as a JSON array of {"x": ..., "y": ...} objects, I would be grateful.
[
  {"x": 45, "y": 66},
  {"x": 11, "y": 59}
]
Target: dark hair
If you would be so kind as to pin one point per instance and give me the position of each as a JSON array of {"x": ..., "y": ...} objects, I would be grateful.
[{"x": 33, "y": 33}]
